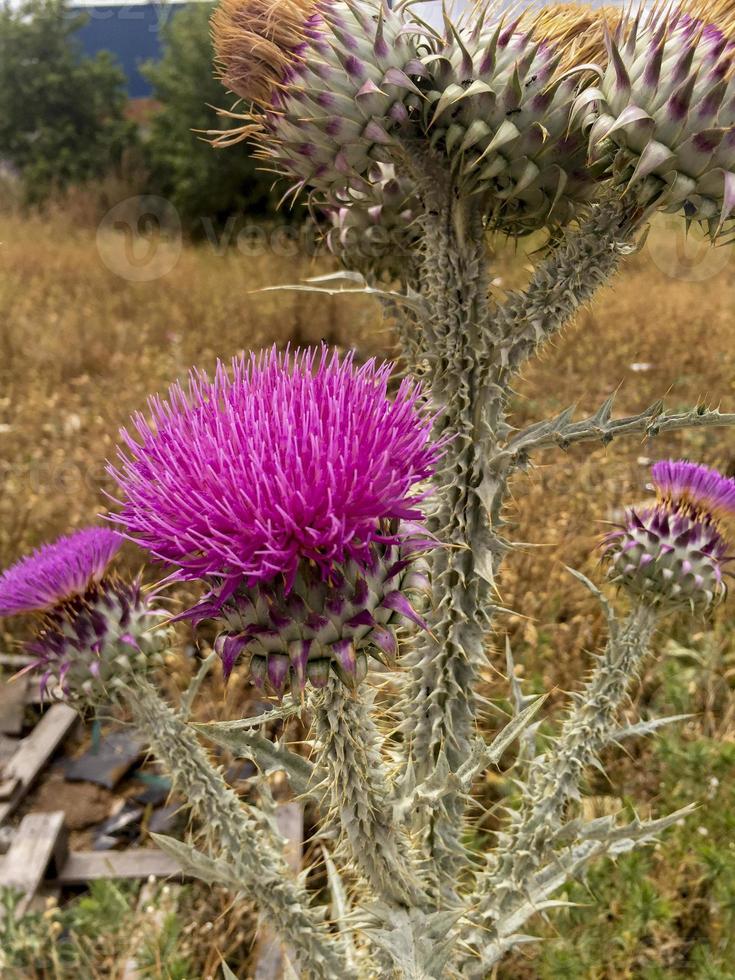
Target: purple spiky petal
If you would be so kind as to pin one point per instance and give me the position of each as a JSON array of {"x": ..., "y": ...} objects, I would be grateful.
[
  {"x": 688, "y": 484},
  {"x": 291, "y": 457},
  {"x": 59, "y": 571}
]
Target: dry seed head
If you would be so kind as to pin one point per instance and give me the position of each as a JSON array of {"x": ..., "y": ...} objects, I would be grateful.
[
  {"x": 575, "y": 28},
  {"x": 256, "y": 43}
]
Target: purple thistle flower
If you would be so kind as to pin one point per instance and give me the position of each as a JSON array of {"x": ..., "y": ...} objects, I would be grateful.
[
  {"x": 57, "y": 572},
  {"x": 96, "y": 627},
  {"x": 689, "y": 486},
  {"x": 292, "y": 458},
  {"x": 675, "y": 553},
  {"x": 289, "y": 486}
]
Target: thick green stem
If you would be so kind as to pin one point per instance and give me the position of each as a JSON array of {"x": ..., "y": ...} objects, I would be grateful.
[
  {"x": 440, "y": 698},
  {"x": 556, "y": 775},
  {"x": 357, "y": 788},
  {"x": 240, "y": 835}
]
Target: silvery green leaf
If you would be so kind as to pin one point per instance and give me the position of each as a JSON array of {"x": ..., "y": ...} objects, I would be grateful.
[
  {"x": 412, "y": 301},
  {"x": 288, "y": 709},
  {"x": 647, "y": 727},
  {"x": 268, "y": 756},
  {"x": 419, "y": 944},
  {"x": 193, "y": 688},
  {"x": 600, "y": 596},
  {"x": 194, "y": 862},
  {"x": 340, "y": 907},
  {"x": 483, "y": 756}
]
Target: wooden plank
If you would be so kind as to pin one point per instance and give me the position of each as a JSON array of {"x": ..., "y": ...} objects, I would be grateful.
[
  {"x": 13, "y": 697},
  {"x": 137, "y": 862},
  {"x": 38, "y": 848},
  {"x": 33, "y": 753},
  {"x": 271, "y": 959}
]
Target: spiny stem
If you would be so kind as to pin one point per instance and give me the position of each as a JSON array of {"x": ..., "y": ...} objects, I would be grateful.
[
  {"x": 440, "y": 705},
  {"x": 244, "y": 837},
  {"x": 349, "y": 753},
  {"x": 582, "y": 263},
  {"x": 556, "y": 775}
]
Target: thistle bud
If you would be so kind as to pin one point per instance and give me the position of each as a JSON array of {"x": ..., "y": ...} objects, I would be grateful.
[
  {"x": 498, "y": 104},
  {"x": 675, "y": 552},
  {"x": 662, "y": 115},
  {"x": 95, "y": 629},
  {"x": 375, "y": 228}
]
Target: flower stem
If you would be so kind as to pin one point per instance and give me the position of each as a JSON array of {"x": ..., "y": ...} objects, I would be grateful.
[
  {"x": 358, "y": 796},
  {"x": 239, "y": 832},
  {"x": 555, "y": 776}
]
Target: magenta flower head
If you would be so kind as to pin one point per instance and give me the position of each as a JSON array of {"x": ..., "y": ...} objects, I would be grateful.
[
  {"x": 58, "y": 572},
  {"x": 94, "y": 626},
  {"x": 289, "y": 486},
  {"x": 675, "y": 553}
]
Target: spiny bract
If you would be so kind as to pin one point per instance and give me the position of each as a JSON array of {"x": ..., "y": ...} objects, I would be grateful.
[
  {"x": 663, "y": 114},
  {"x": 498, "y": 101},
  {"x": 320, "y": 624},
  {"x": 375, "y": 229},
  {"x": 90, "y": 645}
]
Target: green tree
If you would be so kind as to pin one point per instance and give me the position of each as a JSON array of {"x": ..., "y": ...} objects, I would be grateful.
[
  {"x": 203, "y": 184},
  {"x": 61, "y": 115}
]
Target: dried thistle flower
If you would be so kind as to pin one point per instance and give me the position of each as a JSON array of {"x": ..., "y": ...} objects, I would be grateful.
[
  {"x": 330, "y": 82},
  {"x": 96, "y": 628},
  {"x": 675, "y": 552},
  {"x": 290, "y": 488}
]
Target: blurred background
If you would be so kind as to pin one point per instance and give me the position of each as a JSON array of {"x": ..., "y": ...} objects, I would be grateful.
[{"x": 130, "y": 249}]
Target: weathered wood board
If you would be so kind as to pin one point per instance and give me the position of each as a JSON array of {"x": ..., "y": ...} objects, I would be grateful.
[
  {"x": 37, "y": 851},
  {"x": 21, "y": 770}
]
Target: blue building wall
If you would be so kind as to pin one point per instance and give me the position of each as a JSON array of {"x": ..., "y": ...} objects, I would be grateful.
[{"x": 131, "y": 32}]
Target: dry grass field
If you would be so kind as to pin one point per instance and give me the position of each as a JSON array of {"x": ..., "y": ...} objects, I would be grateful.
[{"x": 81, "y": 347}]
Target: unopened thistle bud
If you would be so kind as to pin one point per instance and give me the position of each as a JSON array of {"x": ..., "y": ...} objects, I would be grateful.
[
  {"x": 663, "y": 113},
  {"x": 675, "y": 552},
  {"x": 329, "y": 81},
  {"x": 375, "y": 228},
  {"x": 95, "y": 628},
  {"x": 498, "y": 104},
  {"x": 288, "y": 487}
]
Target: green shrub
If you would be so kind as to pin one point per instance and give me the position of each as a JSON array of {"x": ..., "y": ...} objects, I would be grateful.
[
  {"x": 206, "y": 186},
  {"x": 61, "y": 115}
]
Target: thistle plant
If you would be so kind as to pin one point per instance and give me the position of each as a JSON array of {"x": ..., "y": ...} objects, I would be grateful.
[{"x": 348, "y": 543}]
